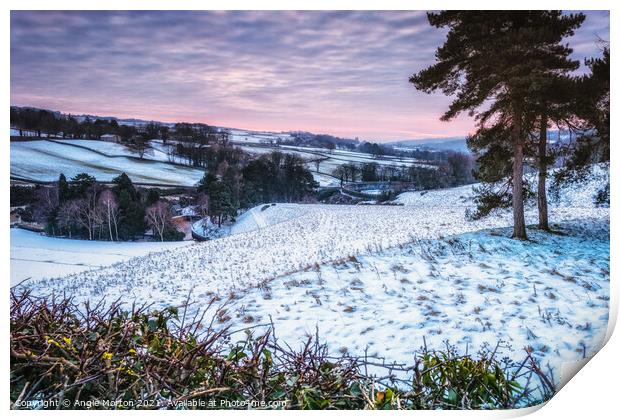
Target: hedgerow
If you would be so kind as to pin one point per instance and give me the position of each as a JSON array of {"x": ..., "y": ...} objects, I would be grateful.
[{"x": 101, "y": 355}]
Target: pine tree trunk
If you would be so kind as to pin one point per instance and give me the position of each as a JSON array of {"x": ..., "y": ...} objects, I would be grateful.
[
  {"x": 543, "y": 217},
  {"x": 517, "y": 178}
]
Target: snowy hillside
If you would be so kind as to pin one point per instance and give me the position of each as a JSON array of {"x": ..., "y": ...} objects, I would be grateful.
[
  {"x": 266, "y": 215},
  {"x": 328, "y": 161},
  {"x": 35, "y": 256},
  {"x": 459, "y": 196},
  {"x": 45, "y": 160},
  {"x": 257, "y": 137},
  {"x": 381, "y": 280},
  {"x": 579, "y": 194},
  {"x": 470, "y": 289},
  {"x": 584, "y": 191},
  {"x": 156, "y": 151},
  {"x": 324, "y": 233}
]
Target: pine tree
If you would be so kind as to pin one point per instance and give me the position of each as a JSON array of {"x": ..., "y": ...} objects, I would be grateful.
[
  {"x": 552, "y": 104},
  {"x": 130, "y": 208},
  {"x": 494, "y": 58},
  {"x": 592, "y": 105},
  {"x": 222, "y": 206},
  {"x": 492, "y": 146},
  {"x": 82, "y": 183},
  {"x": 64, "y": 191},
  {"x": 207, "y": 179}
]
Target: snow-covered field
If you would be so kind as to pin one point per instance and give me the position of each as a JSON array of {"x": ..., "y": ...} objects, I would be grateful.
[
  {"x": 34, "y": 256},
  {"x": 44, "y": 160},
  {"x": 266, "y": 215},
  {"x": 352, "y": 156},
  {"x": 324, "y": 233},
  {"x": 155, "y": 152},
  {"x": 459, "y": 197},
  {"x": 337, "y": 157},
  {"x": 379, "y": 279},
  {"x": 325, "y": 180},
  {"x": 319, "y": 234},
  {"x": 258, "y": 143},
  {"x": 261, "y": 150},
  {"x": 256, "y": 137},
  {"x": 551, "y": 295}
]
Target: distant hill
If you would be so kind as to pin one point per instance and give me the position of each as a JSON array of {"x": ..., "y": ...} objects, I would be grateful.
[
  {"x": 555, "y": 138},
  {"x": 81, "y": 117},
  {"x": 445, "y": 143},
  {"x": 122, "y": 121},
  {"x": 316, "y": 140}
]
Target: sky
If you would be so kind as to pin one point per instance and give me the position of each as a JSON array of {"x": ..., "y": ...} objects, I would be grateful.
[{"x": 343, "y": 73}]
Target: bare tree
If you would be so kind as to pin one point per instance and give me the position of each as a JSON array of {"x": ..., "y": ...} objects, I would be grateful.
[
  {"x": 202, "y": 204},
  {"x": 340, "y": 173},
  {"x": 66, "y": 216},
  {"x": 222, "y": 168},
  {"x": 88, "y": 214},
  {"x": 352, "y": 170},
  {"x": 109, "y": 209},
  {"x": 346, "y": 172},
  {"x": 158, "y": 217},
  {"x": 138, "y": 144},
  {"x": 45, "y": 204}
]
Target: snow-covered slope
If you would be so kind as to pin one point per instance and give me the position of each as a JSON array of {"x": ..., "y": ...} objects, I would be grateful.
[
  {"x": 320, "y": 234},
  {"x": 382, "y": 280},
  {"x": 551, "y": 294},
  {"x": 578, "y": 194},
  {"x": 45, "y": 160},
  {"x": 582, "y": 193},
  {"x": 257, "y": 137},
  {"x": 265, "y": 216},
  {"x": 155, "y": 152},
  {"x": 459, "y": 196},
  {"x": 34, "y": 256}
]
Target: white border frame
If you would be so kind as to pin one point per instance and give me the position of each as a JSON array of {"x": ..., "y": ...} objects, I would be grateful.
[{"x": 591, "y": 393}]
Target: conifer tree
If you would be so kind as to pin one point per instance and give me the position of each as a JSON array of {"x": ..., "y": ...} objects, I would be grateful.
[
  {"x": 64, "y": 191},
  {"x": 490, "y": 62},
  {"x": 592, "y": 105},
  {"x": 551, "y": 105}
]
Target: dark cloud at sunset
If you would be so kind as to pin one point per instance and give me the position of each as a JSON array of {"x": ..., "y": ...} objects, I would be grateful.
[{"x": 343, "y": 73}]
